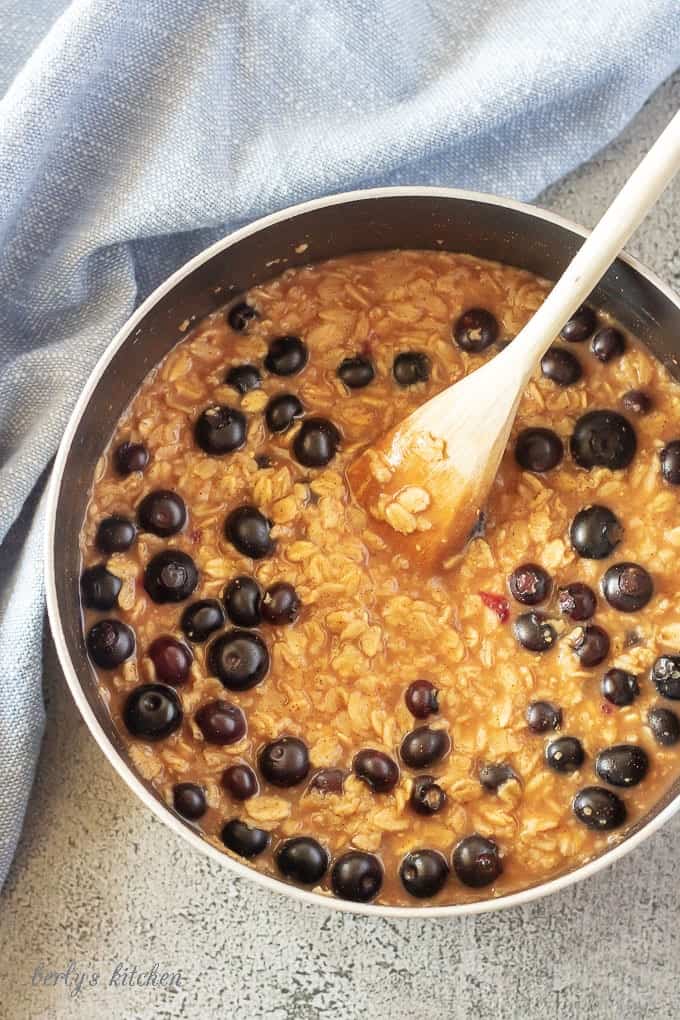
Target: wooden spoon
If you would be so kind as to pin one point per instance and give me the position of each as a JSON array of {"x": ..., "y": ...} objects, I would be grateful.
[{"x": 429, "y": 477}]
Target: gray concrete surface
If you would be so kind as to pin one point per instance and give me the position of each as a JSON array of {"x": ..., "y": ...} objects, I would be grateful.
[{"x": 98, "y": 881}]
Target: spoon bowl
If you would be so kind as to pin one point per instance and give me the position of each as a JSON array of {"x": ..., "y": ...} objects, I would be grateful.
[{"x": 426, "y": 481}]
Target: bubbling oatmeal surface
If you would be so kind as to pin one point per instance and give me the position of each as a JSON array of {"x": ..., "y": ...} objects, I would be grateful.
[{"x": 308, "y": 699}]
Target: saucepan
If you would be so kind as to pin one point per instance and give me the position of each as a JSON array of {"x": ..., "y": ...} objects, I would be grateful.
[{"x": 403, "y": 217}]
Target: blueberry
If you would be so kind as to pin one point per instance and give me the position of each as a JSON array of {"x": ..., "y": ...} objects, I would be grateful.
[
  {"x": 665, "y": 726},
  {"x": 619, "y": 687},
  {"x": 152, "y": 712},
  {"x": 316, "y": 443},
  {"x": 427, "y": 797},
  {"x": 475, "y": 330},
  {"x": 171, "y": 576},
  {"x": 243, "y": 840},
  {"x": 666, "y": 676},
  {"x": 534, "y": 632},
  {"x": 243, "y": 601},
  {"x": 240, "y": 782},
  {"x": 476, "y": 861},
  {"x": 622, "y": 765},
  {"x": 284, "y": 762},
  {"x": 627, "y": 587},
  {"x": 603, "y": 439},
  {"x": 595, "y": 532},
  {"x": 249, "y": 532},
  {"x": 637, "y": 402},
  {"x": 171, "y": 660},
  {"x": 538, "y": 450},
  {"x": 99, "y": 589},
  {"x": 530, "y": 584},
  {"x": 357, "y": 876},
  {"x": 328, "y": 781},
  {"x": 495, "y": 775},
  {"x": 240, "y": 316},
  {"x": 423, "y": 873},
  {"x": 581, "y": 325},
  {"x": 565, "y": 754},
  {"x": 110, "y": 643},
  {"x": 263, "y": 460},
  {"x": 608, "y": 343},
  {"x": 115, "y": 535},
  {"x": 670, "y": 462},
  {"x": 239, "y": 659},
  {"x": 577, "y": 601},
  {"x": 599, "y": 809},
  {"x": 281, "y": 411},
  {"x": 162, "y": 512},
  {"x": 201, "y": 619},
  {"x": 130, "y": 457},
  {"x": 287, "y": 355},
  {"x": 542, "y": 716},
  {"x": 421, "y": 699},
  {"x": 591, "y": 644},
  {"x": 243, "y": 378},
  {"x": 561, "y": 366},
  {"x": 281, "y": 603},
  {"x": 221, "y": 723},
  {"x": 424, "y": 746},
  {"x": 189, "y": 800},
  {"x": 377, "y": 770},
  {"x": 411, "y": 367},
  {"x": 302, "y": 860},
  {"x": 356, "y": 372},
  {"x": 632, "y": 638},
  {"x": 220, "y": 429}
]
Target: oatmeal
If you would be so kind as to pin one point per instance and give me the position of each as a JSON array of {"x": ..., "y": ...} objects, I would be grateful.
[{"x": 304, "y": 696}]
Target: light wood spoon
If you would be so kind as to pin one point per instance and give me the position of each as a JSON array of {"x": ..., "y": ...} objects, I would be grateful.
[{"x": 429, "y": 477}]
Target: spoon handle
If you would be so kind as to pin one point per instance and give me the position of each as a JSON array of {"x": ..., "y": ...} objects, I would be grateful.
[{"x": 600, "y": 248}]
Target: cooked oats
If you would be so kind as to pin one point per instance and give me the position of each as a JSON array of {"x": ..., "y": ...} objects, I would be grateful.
[{"x": 360, "y": 622}]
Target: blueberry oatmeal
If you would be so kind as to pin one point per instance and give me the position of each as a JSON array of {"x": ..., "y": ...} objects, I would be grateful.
[{"x": 314, "y": 703}]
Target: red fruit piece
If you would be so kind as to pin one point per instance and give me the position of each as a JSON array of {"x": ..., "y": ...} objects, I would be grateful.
[{"x": 497, "y": 603}]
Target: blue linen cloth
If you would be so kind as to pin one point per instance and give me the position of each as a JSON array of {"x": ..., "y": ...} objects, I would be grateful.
[{"x": 132, "y": 134}]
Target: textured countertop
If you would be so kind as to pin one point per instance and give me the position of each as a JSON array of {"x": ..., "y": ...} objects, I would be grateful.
[{"x": 100, "y": 884}]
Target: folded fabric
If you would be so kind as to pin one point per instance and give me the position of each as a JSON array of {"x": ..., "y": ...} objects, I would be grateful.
[{"x": 132, "y": 134}]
